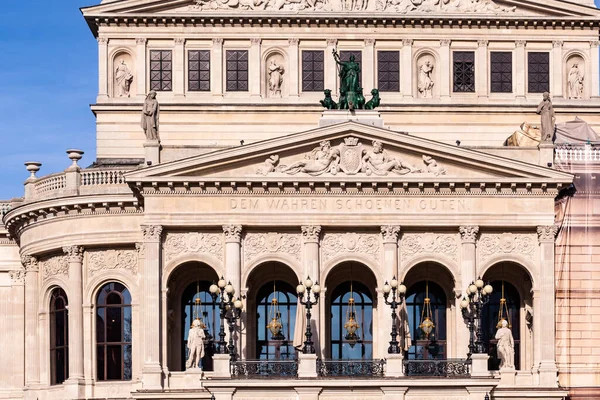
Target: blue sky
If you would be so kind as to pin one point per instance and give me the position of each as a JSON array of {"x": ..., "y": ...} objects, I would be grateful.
[{"x": 48, "y": 79}]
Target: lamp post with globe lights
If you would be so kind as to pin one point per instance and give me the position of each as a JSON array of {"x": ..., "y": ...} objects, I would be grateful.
[
  {"x": 478, "y": 295},
  {"x": 234, "y": 311},
  {"x": 304, "y": 290},
  {"x": 225, "y": 291},
  {"x": 398, "y": 292}
]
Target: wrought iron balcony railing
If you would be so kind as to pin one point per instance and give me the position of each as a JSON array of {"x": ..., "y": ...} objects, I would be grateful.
[
  {"x": 451, "y": 368},
  {"x": 350, "y": 368},
  {"x": 264, "y": 369}
]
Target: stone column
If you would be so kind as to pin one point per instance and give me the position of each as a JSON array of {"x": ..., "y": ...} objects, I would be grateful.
[
  {"x": 368, "y": 67},
  {"x": 595, "y": 70},
  {"x": 330, "y": 68},
  {"x": 233, "y": 261},
  {"x": 520, "y": 68},
  {"x": 548, "y": 370},
  {"x": 75, "y": 258},
  {"x": 537, "y": 333},
  {"x": 140, "y": 66},
  {"x": 152, "y": 370},
  {"x": 406, "y": 63},
  {"x": 255, "y": 75},
  {"x": 468, "y": 235},
  {"x": 294, "y": 68},
  {"x": 216, "y": 67},
  {"x": 32, "y": 356},
  {"x": 389, "y": 234},
  {"x": 103, "y": 68},
  {"x": 16, "y": 324},
  {"x": 481, "y": 69},
  {"x": 310, "y": 243},
  {"x": 445, "y": 68},
  {"x": 556, "y": 81},
  {"x": 179, "y": 67}
]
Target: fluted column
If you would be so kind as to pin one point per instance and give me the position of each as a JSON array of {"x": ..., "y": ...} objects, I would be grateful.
[
  {"x": 102, "y": 68},
  {"x": 548, "y": 370},
  {"x": 293, "y": 67},
  {"x": 406, "y": 63},
  {"x": 140, "y": 66},
  {"x": 445, "y": 69},
  {"x": 310, "y": 243},
  {"x": 233, "y": 261},
  {"x": 468, "y": 235},
  {"x": 75, "y": 258},
  {"x": 389, "y": 235},
  {"x": 32, "y": 359},
  {"x": 216, "y": 67},
  {"x": 481, "y": 69},
  {"x": 330, "y": 68},
  {"x": 152, "y": 370},
  {"x": 556, "y": 81},
  {"x": 520, "y": 67},
  {"x": 254, "y": 68}
]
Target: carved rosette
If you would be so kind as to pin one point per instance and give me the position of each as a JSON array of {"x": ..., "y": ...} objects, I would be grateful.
[
  {"x": 468, "y": 233},
  {"x": 152, "y": 233},
  {"x": 181, "y": 243},
  {"x": 57, "y": 265},
  {"x": 311, "y": 233},
  {"x": 547, "y": 233},
  {"x": 366, "y": 244},
  {"x": 429, "y": 243},
  {"x": 390, "y": 233},
  {"x": 490, "y": 245},
  {"x": 256, "y": 244},
  {"x": 30, "y": 263},
  {"x": 106, "y": 260},
  {"x": 74, "y": 253},
  {"x": 17, "y": 277},
  {"x": 233, "y": 233}
]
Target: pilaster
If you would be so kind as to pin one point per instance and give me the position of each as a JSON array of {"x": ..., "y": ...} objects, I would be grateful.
[
  {"x": 179, "y": 67},
  {"x": 389, "y": 236},
  {"x": 310, "y": 242},
  {"x": 406, "y": 68},
  {"x": 556, "y": 83},
  {"x": 233, "y": 261},
  {"x": 520, "y": 68},
  {"x": 216, "y": 67},
  {"x": 140, "y": 66},
  {"x": 330, "y": 68},
  {"x": 293, "y": 67},
  {"x": 254, "y": 68},
  {"x": 16, "y": 330},
  {"x": 481, "y": 69},
  {"x": 445, "y": 67},
  {"x": 75, "y": 259},
  {"x": 32, "y": 359},
  {"x": 468, "y": 235},
  {"x": 595, "y": 69},
  {"x": 102, "y": 68},
  {"x": 368, "y": 66}
]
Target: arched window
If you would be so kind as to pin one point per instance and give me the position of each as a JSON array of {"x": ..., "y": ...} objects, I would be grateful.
[
  {"x": 340, "y": 347},
  {"x": 268, "y": 347},
  {"x": 489, "y": 318},
  {"x": 209, "y": 313},
  {"x": 59, "y": 337},
  {"x": 113, "y": 332},
  {"x": 423, "y": 347}
]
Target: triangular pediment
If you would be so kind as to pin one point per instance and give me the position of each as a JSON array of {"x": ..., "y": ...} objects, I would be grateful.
[
  {"x": 349, "y": 151},
  {"x": 425, "y": 8}
]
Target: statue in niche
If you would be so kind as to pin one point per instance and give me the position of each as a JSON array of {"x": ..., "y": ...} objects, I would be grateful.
[
  {"x": 275, "y": 79},
  {"x": 317, "y": 162},
  {"x": 150, "y": 114},
  {"x": 575, "y": 82},
  {"x": 547, "y": 115},
  {"x": 425, "y": 82},
  {"x": 505, "y": 346},
  {"x": 378, "y": 162},
  {"x": 124, "y": 78},
  {"x": 195, "y": 345}
]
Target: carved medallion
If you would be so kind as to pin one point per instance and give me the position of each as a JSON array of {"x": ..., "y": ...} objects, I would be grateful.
[
  {"x": 366, "y": 244},
  {"x": 181, "y": 243},
  {"x": 429, "y": 243},
  {"x": 256, "y": 244},
  {"x": 100, "y": 260}
]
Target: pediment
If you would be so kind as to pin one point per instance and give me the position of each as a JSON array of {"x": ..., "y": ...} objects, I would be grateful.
[
  {"x": 430, "y": 8},
  {"x": 348, "y": 152}
]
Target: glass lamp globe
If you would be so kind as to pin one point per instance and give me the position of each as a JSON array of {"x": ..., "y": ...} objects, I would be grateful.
[
  {"x": 316, "y": 288},
  {"x": 213, "y": 289},
  {"x": 427, "y": 326},
  {"x": 229, "y": 289},
  {"x": 464, "y": 303},
  {"x": 300, "y": 289},
  {"x": 402, "y": 289},
  {"x": 238, "y": 304},
  {"x": 394, "y": 283},
  {"x": 472, "y": 288},
  {"x": 479, "y": 283},
  {"x": 386, "y": 288},
  {"x": 488, "y": 289},
  {"x": 308, "y": 283},
  {"x": 222, "y": 283}
]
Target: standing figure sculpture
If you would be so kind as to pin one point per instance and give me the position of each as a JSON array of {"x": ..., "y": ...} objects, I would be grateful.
[
  {"x": 195, "y": 345},
  {"x": 275, "y": 79},
  {"x": 575, "y": 82},
  {"x": 348, "y": 72},
  {"x": 425, "y": 82},
  {"x": 547, "y": 113},
  {"x": 150, "y": 115},
  {"x": 505, "y": 346},
  {"x": 124, "y": 78}
]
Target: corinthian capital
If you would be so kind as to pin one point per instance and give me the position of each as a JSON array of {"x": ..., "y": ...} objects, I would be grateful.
[
  {"x": 468, "y": 233},
  {"x": 310, "y": 233},
  {"x": 233, "y": 233},
  {"x": 75, "y": 253},
  {"x": 30, "y": 263},
  {"x": 390, "y": 233},
  {"x": 547, "y": 233},
  {"x": 152, "y": 232}
]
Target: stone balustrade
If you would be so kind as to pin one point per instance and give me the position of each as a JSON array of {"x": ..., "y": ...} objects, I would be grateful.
[{"x": 576, "y": 154}]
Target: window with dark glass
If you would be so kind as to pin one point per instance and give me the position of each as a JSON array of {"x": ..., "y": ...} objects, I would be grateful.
[
  {"x": 237, "y": 70},
  {"x": 199, "y": 70},
  {"x": 269, "y": 347},
  {"x": 464, "y": 71},
  {"x": 59, "y": 337},
  {"x": 501, "y": 71},
  {"x": 538, "y": 72},
  {"x": 345, "y": 56},
  {"x": 161, "y": 70},
  {"x": 113, "y": 333},
  {"x": 312, "y": 70},
  {"x": 388, "y": 71}
]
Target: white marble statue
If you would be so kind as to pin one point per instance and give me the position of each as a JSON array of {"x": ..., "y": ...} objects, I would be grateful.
[
  {"x": 275, "y": 79},
  {"x": 195, "y": 345},
  {"x": 548, "y": 119},
  {"x": 124, "y": 78},
  {"x": 150, "y": 114},
  {"x": 575, "y": 82},
  {"x": 425, "y": 82},
  {"x": 505, "y": 346}
]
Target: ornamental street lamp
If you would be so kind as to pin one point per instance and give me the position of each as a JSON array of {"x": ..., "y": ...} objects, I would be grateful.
[
  {"x": 478, "y": 294},
  {"x": 234, "y": 312},
  {"x": 304, "y": 289},
  {"x": 398, "y": 293},
  {"x": 219, "y": 290}
]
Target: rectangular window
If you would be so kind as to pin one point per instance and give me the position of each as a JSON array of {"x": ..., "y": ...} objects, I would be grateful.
[
  {"x": 501, "y": 71},
  {"x": 313, "y": 76},
  {"x": 538, "y": 75},
  {"x": 161, "y": 70},
  {"x": 388, "y": 71},
  {"x": 199, "y": 70},
  {"x": 464, "y": 71},
  {"x": 237, "y": 70},
  {"x": 345, "y": 56}
]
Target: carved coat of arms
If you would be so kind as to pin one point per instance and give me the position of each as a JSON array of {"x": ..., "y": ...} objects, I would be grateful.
[{"x": 351, "y": 152}]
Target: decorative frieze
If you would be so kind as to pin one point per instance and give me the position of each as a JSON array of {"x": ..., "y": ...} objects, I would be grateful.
[
  {"x": 547, "y": 233},
  {"x": 233, "y": 233},
  {"x": 413, "y": 244},
  {"x": 390, "y": 233},
  {"x": 181, "y": 243},
  {"x": 310, "y": 233},
  {"x": 17, "y": 277},
  {"x": 468, "y": 233},
  {"x": 256, "y": 244},
  {"x": 152, "y": 233},
  {"x": 30, "y": 263},
  {"x": 506, "y": 243},
  {"x": 101, "y": 260},
  {"x": 57, "y": 265},
  {"x": 366, "y": 244}
]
